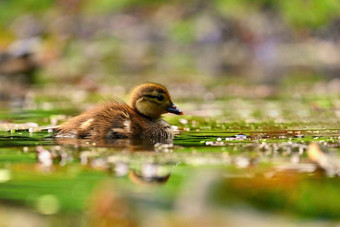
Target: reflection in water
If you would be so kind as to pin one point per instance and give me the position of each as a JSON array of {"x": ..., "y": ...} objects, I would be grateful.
[
  {"x": 143, "y": 167},
  {"x": 207, "y": 177},
  {"x": 130, "y": 145},
  {"x": 150, "y": 174},
  {"x": 150, "y": 163},
  {"x": 327, "y": 161}
]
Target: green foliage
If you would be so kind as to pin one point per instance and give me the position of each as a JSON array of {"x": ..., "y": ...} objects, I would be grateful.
[
  {"x": 14, "y": 8},
  {"x": 107, "y": 6},
  {"x": 309, "y": 14},
  {"x": 298, "y": 13},
  {"x": 183, "y": 31},
  {"x": 236, "y": 9}
]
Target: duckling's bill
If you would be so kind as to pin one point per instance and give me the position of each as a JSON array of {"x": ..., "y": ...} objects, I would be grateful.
[{"x": 174, "y": 109}]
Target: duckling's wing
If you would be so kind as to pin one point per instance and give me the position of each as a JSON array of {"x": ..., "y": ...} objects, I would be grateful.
[
  {"x": 109, "y": 120},
  {"x": 113, "y": 121},
  {"x": 72, "y": 127}
]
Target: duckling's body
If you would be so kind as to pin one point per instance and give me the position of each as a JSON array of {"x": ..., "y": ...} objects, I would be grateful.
[{"x": 118, "y": 120}]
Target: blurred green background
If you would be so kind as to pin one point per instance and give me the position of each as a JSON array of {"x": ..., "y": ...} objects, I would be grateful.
[{"x": 82, "y": 42}]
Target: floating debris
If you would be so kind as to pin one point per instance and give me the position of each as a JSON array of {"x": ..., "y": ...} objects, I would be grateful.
[
  {"x": 214, "y": 143},
  {"x": 240, "y": 136},
  {"x": 175, "y": 129},
  {"x": 164, "y": 147},
  {"x": 12, "y": 127},
  {"x": 120, "y": 169},
  {"x": 183, "y": 121},
  {"x": 85, "y": 156},
  {"x": 242, "y": 162},
  {"x": 44, "y": 156},
  {"x": 236, "y": 137}
]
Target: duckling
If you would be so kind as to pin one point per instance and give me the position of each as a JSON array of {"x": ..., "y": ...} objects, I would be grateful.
[{"x": 117, "y": 120}]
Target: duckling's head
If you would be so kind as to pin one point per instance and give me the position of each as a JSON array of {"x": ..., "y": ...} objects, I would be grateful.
[{"x": 153, "y": 100}]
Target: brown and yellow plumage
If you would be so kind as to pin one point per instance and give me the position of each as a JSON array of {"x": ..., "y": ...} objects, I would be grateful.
[{"x": 118, "y": 120}]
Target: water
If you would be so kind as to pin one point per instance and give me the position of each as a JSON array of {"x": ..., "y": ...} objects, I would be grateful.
[{"x": 234, "y": 167}]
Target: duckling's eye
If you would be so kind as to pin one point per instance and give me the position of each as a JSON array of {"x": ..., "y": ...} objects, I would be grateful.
[{"x": 160, "y": 97}]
